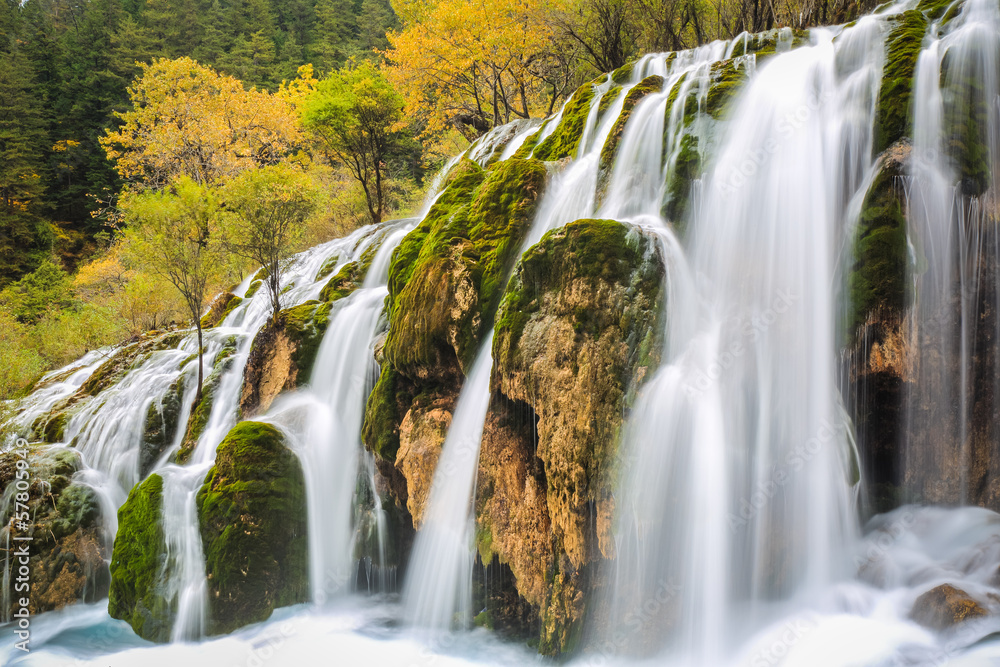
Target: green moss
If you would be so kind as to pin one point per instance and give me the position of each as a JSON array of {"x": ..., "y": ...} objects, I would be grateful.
[
  {"x": 471, "y": 235},
  {"x": 251, "y": 512},
  {"x": 878, "y": 278},
  {"x": 138, "y": 562},
  {"x": 220, "y": 308},
  {"x": 566, "y": 138},
  {"x": 607, "y": 100},
  {"x": 935, "y": 9},
  {"x": 383, "y": 414},
  {"x": 892, "y": 121},
  {"x": 966, "y": 122},
  {"x": 305, "y": 325},
  {"x": 649, "y": 85},
  {"x": 727, "y": 78},
  {"x": 623, "y": 74},
  {"x": 78, "y": 507},
  {"x": 686, "y": 169},
  {"x": 161, "y": 425},
  {"x": 202, "y": 412}
]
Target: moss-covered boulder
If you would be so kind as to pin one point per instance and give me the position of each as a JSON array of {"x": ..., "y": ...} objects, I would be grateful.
[
  {"x": 282, "y": 355},
  {"x": 139, "y": 562},
  {"x": 67, "y": 553},
  {"x": 892, "y": 119},
  {"x": 446, "y": 276},
  {"x": 576, "y": 332},
  {"x": 252, "y": 515},
  {"x": 220, "y": 307}
]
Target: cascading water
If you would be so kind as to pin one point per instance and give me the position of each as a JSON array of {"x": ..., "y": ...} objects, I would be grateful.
[
  {"x": 952, "y": 191},
  {"x": 324, "y": 421},
  {"x": 737, "y": 482}
]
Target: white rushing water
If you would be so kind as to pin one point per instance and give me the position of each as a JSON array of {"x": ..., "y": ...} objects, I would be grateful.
[
  {"x": 324, "y": 422},
  {"x": 952, "y": 229},
  {"x": 439, "y": 586}
]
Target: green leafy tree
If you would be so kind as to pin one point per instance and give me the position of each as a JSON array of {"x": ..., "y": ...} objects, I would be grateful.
[
  {"x": 356, "y": 116},
  {"x": 266, "y": 211},
  {"x": 171, "y": 233}
]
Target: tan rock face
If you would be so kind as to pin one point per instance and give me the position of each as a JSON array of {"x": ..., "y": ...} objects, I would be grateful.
[
  {"x": 511, "y": 500},
  {"x": 421, "y": 436},
  {"x": 944, "y": 607},
  {"x": 575, "y": 334},
  {"x": 274, "y": 372}
]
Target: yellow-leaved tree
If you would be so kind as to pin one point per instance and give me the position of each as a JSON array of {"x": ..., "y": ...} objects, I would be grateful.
[
  {"x": 475, "y": 64},
  {"x": 188, "y": 120}
]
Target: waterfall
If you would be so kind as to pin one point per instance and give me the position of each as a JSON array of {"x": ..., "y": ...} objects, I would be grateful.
[
  {"x": 952, "y": 226},
  {"x": 737, "y": 481},
  {"x": 438, "y": 586},
  {"x": 323, "y": 421}
]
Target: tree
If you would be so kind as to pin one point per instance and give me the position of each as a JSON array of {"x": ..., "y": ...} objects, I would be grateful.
[
  {"x": 171, "y": 233},
  {"x": 266, "y": 209},
  {"x": 336, "y": 28},
  {"x": 356, "y": 116},
  {"x": 188, "y": 120},
  {"x": 25, "y": 236},
  {"x": 28, "y": 299},
  {"x": 476, "y": 64}
]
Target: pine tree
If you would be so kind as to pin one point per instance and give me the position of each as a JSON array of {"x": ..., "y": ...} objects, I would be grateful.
[
  {"x": 376, "y": 19},
  {"x": 25, "y": 236},
  {"x": 336, "y": 32}
]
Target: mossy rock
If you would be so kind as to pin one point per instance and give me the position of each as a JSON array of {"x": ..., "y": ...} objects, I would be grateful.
[
  {"x": 305, "y": 325},
  {"x": 727, "y": 78},
  {"x": 221, "y": 306},
  {"x": 877, "y": 280},
  {"x": 648, "y": 86},
  {"x": 682, "y": 173},
  {"x": 578, "y": 330},
  {"x": 565, "y": 141},
  {"x": 892, "y": 119},
  {"x": 623, "y": 74},
  {"x": 348, "y": 279},
  {"x": 138, "y": 563},
  {"x": 459, "y": 255},
  {"x": 67, "y": 554},
  {"x": 384, "y": 411},
  {"x": 252, "y": 516},
  {"x": 161, "y": 426}
]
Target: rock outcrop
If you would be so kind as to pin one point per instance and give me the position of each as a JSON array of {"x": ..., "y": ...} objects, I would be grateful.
[
  {"x": 253, "y": 528},
  {"x": 282, "y": 355},
  {"x": 67, "y": 549},
  {"x": 576, "y": 333}
]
